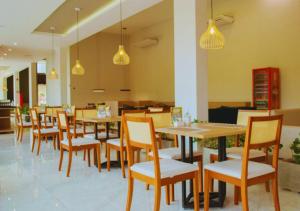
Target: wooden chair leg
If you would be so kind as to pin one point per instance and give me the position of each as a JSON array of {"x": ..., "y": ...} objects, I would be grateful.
[
  {"x": 275, "y": 194},
  {"x": 69, "y": 163},
  {"x": 33, "y": 142},
  {"x": 196, "y": 191},
  {"x": 108, "y": 157},
  {"x": 237, "y": 193},
  {"x": 212, "y": 181},
  {"x": 84, "y": 154},
  {"x": 244, "y": 193},
  {"x": 130, "y": 192},
  {"x": 172, "y": 192},
  {"x": 167, "y": 194},
  {"x": 138, "y": 156},
  {"x": 18, "y": 133},
  {"x": 21, "y": 135},
  {"x": 122, "y": 163},
  {"x": 200, "y": 165},
  {"x": 46, "y": 139},
  {"x": 54, "y": 142},
  {"x": 207, "y": 185},
  {"x": 61, "y": 158},
  {"x": 89, "y": 157},
  {"x": 39, "y": 145},
  {"x": 98, "y": 149},
  {"x": 157, "y": 197},
  {"x": 267, "y": 186}
]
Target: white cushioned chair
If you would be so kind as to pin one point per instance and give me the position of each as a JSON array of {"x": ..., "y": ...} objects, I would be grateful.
[
  {"x": 41, "y": 133},
  {"x": 71, "y": 144},
  {"x": 158, "y": 172},
  {"x": 236, "y": 152},
  {"x": 262, "y": 132}
]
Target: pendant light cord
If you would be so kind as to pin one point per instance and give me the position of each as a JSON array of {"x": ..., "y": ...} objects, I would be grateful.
[
  {"x": 52, "y": 44},
  {"x": 211, "y": 9},
  {"x": 121, "y": 22},
  {"x": 77, "y": 33}
]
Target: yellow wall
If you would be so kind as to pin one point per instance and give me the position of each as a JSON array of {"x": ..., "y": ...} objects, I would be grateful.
[
  {"x": 265, "y": 33},
  {"x": 151, "y": 71},
  {"x": 96, "y": 53},
  {"x": 150, "y": 74}
]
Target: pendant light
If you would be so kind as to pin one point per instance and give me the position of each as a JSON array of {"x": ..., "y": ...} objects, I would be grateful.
[
  {"x": 77, "y": 68},
  {"x": 212, "y": 38},
  {"x": 121, "y": 57},
  {"x": 53, "y": 74}
]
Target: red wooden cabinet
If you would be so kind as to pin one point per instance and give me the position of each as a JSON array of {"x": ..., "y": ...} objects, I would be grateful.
[{"x": 266, "y": 88}]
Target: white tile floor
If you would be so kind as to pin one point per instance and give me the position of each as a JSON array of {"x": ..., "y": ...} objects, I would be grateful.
[{"x": 29, "y": 182}]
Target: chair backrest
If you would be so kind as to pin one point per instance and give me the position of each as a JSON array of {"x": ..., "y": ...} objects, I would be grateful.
[
  {"x": 161, "y": 119},
  {"x": 56, "y": 109},
  {"x": 49, "y": 111},
  {"x": 89, "y": 113},
  {"x": 243, "y": 115},
  {"x": 140, "y": 134},
  {"x": 78, "y": 114},
  {"x": 63, "y": 125},
  {"x": 132, "y": 113},
  {"x": 35, "y": 119},
  {"x": 262, "y": 132}
]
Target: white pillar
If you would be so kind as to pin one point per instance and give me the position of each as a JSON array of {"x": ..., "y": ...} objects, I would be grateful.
[
  {"x": 58, "y": 90},
  {"x": 190, "y": 61}
]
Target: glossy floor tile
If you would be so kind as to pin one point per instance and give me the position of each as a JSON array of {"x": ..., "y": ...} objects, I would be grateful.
[{"x": 29, "y": 182}]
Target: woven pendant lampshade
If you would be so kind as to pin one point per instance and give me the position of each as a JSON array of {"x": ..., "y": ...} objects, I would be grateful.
[
  {"x": 53, "y": 74},
  {"x": 212, "y": 38},
  {"x": 121, "y": 57},
  {"x": 77, "y": 68}
]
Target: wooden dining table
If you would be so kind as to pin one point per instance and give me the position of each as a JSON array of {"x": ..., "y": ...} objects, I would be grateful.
[{"x": 200, "y": 132}]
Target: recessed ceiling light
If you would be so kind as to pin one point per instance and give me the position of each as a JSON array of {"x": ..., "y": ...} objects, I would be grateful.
[
  {"x": 5, "y": 54},
  {"x": 10, "y": 50},
  {"x": 15, "y": 43}
]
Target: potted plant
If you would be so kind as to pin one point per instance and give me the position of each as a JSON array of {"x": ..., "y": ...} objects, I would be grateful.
[
  {"x": 25, "y": 114},
  {"x": 295, "y": 147}
]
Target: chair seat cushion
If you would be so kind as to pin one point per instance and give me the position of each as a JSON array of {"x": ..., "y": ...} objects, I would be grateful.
[
  {"x": 25, "y": 124},
  {"x": 168, "y": 168},
  {"x": 173, "y": 153},
  {"x": 115, "y": 142},
  {"x": 78, "y": 130},
  {"x": 47, "y": 130},
  {"x": 233, "y": 168},
  {"x": 80, "y": 141},
  {"x": 101, "y": 135},
  {"x": 237, "y": 153}
]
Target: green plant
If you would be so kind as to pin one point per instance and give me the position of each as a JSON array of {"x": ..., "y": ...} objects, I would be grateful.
[
  {"x": 25, "y": 110},
  {"x": 295, "y": 147}
]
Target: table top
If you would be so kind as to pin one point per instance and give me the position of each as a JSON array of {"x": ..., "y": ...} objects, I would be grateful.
[
  {"x": 205, "y": 130},
  {"x": 103, "y": 120}
]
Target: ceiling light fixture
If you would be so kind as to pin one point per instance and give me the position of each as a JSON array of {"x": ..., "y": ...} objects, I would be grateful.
[
  {"x": 77, "y": 68},
  {"x": 212, "y": 38},
  {"x": 53, "y": 74},
  {"x": 121, "y": 57},
  {"x": 15, "y": 43}
]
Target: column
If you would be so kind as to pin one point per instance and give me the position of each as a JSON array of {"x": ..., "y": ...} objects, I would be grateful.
[{"x": 191, "y": 90}]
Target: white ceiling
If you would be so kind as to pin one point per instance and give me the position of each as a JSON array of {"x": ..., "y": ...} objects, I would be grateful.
[{"x": 19, "y": 18}]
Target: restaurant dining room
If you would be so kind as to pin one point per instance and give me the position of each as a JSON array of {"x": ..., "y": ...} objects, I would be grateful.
[{"x": 144, "y": 105}]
